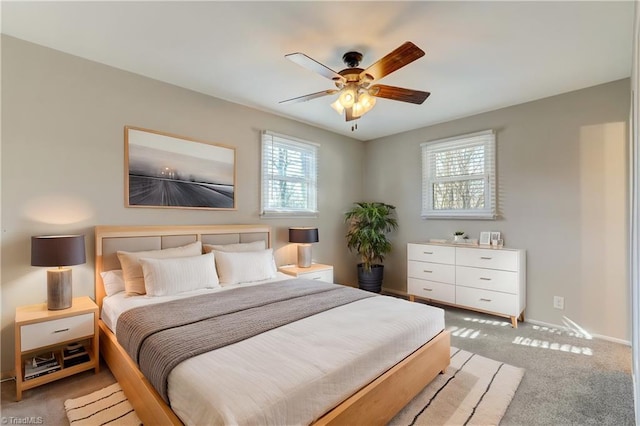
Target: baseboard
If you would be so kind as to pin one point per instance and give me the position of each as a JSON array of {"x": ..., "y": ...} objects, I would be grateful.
[
  {"x": 6, "y": 375},
  {"x": 536, "y": 322},
  {"x": 563, "y": 327},
  {"x": 395, "y": 292}
]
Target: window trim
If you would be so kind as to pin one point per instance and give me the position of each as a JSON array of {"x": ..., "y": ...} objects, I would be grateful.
[
  {"x": 486, "y": 138},
  {"x": 271, "y": 212}
]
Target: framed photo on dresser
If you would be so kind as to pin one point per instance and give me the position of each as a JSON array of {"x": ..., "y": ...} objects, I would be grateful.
[{"x": 485, "y": 238}]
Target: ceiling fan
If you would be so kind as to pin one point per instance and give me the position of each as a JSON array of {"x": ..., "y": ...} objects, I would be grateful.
[{"x": 356, "y": 94}]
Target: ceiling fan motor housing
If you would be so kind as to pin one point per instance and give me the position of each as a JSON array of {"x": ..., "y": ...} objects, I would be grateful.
[{"x": 352, "y": 59}]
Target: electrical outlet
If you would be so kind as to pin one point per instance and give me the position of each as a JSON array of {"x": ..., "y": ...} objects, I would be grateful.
[{"x": 558, "y": 302}]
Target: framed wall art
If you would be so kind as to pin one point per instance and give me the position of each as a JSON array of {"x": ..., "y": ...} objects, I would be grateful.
[{"x": 170, "y": 171}]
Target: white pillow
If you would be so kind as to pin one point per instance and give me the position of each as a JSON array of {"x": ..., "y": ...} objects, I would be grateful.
[
  {"x": 132, "y": 270},
  {"x": 237, "y": 247},
  {"x": 163, "y": 277},
  {"x": 112, "y": 281},
  {"x": 245, "y": 267}
]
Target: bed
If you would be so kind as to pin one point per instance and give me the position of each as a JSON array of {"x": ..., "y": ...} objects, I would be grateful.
[{"x": 301, "y": 372}]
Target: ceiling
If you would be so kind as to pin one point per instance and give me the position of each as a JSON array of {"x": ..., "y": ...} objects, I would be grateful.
[{"x": 480, "y": 56}]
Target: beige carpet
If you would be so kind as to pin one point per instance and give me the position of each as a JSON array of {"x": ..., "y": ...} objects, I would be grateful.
[
  {"x": 473, "y": 391},
  {"x": 108, "y": 406}
]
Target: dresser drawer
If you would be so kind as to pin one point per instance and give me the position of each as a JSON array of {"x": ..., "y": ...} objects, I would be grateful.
[
  {"x": 432, "y": 290},
  {"x": 431, "y": 253},
  {"x": 491, "y": 301},
  {"x": 487, "y": 279},
  {"x": 47, "y": 333},
  {"x": 431, "y": 271},
  {"x": 326, "y": 275},
  {"x": 487, "y": 258}
]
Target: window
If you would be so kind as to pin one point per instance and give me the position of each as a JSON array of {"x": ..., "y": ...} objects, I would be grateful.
[
  {"x": 458, "y": 177},
  {"x": 289, "y": 176}
]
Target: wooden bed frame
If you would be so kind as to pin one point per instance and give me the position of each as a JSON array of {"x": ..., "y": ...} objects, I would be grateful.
[{"x": 375, "y": 403}]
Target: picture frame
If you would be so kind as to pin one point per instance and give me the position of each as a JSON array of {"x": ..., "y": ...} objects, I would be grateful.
[
  {"x": 164, "y": 170},
  {"x": 485, "y": 238},
  {"x": 495, "y": 235}
]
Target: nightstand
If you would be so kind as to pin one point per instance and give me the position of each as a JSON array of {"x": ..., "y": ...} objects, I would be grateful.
[
  {"x": 41, "y": 332},
  {"x": 317, "y": 271}
]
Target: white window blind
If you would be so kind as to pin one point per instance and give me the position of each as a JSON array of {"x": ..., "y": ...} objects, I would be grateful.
[
  {"x": 289, "y": 176},
  {"x": 458, "y": 177}
]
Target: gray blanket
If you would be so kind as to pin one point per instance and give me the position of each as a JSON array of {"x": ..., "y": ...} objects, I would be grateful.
[{"x": 159, "y": 337}]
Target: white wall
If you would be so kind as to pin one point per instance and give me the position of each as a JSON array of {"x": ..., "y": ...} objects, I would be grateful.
[
  {"x": 562, "y": 170},
  {"x": 63, "y": 164}
]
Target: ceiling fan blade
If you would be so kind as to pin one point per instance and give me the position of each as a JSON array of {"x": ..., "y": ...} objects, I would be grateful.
[
  {"x": 398, "y": 93},
  {"x": 395, "y": 60},
  {"x": 309, "y": 96},
  {"x": 313, "y": 65},
  {"x": 348, "y": 115}
]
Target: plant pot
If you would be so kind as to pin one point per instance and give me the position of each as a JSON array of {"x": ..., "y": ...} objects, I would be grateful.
[{"x": 370, "y": 280}]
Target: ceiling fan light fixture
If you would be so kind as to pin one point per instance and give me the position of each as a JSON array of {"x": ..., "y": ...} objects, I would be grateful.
[
  {"x": 365, "y": 103},
  {"x": 337, "y": 106},
  {"x": 347, "y": 97}
]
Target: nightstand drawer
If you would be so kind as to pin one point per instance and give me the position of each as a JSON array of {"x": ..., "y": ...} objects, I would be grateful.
[
  {"x": 432, "y": 271},
  {"x": 326, "y": 275},
  {"x": 487, "y": 279},
  {"x": 487, "y": 258},
  {"x": 431, "y": 253},
  {"x": 432, "y": 290},
  {"x": 47, "y": 333}
]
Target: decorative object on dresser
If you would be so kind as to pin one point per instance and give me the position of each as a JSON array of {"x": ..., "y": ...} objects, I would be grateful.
[
  {"x": 304, "y": 236},
  {"x": 369, "y": 224},
  {"x": 458, "y": 236},
  {"x": 317, "y": 271},
  {"x": 50, "y": 345},
  {"x": 60, "y": 251},
  {"x": 495, "y": 239},
  {"x": 485, "y": 238},
  {"x": 488, "y": 280}
]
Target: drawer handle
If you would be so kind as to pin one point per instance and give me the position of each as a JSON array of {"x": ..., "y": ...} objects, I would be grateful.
[
  {"x": 485, "y": 258},
  {"x": 427, "y": 289},
  {"x": 485, "y": 300},
  {"x": 427, "y": 252},
  {"x": 61, "y": 331},
  {"x": 315, "y": 278},
  {"x": 428, "y": 272},
  {"x": 485, "y": 279}
]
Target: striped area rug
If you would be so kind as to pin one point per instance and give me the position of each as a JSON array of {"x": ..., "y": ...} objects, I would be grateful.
[
  {"x": 108, "y": 406},
  {"x": 473, "y": 391}
]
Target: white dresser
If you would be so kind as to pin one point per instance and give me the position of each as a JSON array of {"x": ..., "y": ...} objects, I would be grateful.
[{"x": 482, "y": 279}]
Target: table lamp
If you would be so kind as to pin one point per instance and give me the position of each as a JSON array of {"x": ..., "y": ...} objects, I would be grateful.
[
  {"x": 60, "y": 251},
  {"x": 304, "y": 237}
]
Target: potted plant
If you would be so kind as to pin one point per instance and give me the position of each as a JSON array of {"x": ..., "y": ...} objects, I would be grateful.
[
  {"x": 458, "y": 236},
  {"x": 369, "y": 224}
]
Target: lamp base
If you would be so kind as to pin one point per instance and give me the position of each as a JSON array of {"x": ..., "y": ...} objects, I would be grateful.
[
  {"x": 59, "y": 289},
  {"x": 304, "y": 255}
]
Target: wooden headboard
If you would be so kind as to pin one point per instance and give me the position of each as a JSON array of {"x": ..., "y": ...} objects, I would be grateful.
[{"x": 110, "y": 239}]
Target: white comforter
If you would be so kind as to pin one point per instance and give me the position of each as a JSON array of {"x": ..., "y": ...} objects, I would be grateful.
[{"x": 296, "y": 373}]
